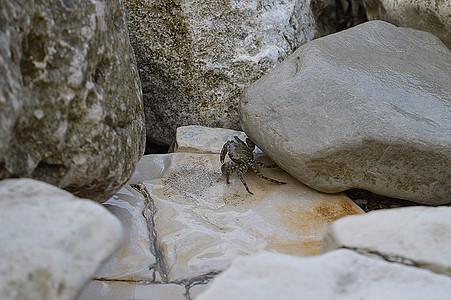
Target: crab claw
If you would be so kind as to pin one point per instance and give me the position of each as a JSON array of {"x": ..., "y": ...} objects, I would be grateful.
[{"x": 224, "y": 151}]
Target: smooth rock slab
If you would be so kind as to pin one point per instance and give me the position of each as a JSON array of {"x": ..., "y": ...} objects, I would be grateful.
[
  {"x": 134, "y": 259},
  {"x": 71, "y": 109},
  {"x": 201, "y": 223},
  {"x": 366, "y": 108},
  {"x": 51, "y": 242},
  {"x": 119, "y": 290},
  {"x": 340, "y": 274},
  {"x": 195, "y": 57},
  {"x": 419, "y": 236},
  {"x": 200, "y": 139}
]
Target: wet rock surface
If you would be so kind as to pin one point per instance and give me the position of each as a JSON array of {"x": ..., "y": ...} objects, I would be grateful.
[
  {"x": 196, "y": 224},
  {"x": 364, "y": 108},
  {"x": 71, "y": 108},
  {"x": 51, "y": 241},
  {"x": 195, "y": 57},
  {"x": 340, "y": 274}
]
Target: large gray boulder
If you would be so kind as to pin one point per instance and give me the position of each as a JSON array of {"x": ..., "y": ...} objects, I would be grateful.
[
  {"x": 71, "y": 109},
  {"x": 51, "y": 241},
  {"x": 366, "y": 108},
  {"x": 195, "y": 57}
]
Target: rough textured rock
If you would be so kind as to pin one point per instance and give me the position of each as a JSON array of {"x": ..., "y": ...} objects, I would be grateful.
[
  {"x": 51, "y": 241},
  {"x": 419, "y": 236},
  {"x": 340, "y": 274},
  {"x": 201, "y": 223},
  {"x": 70, "y": 99},
  {"x": 364, "y": 108},
  {"x": 433, "y": 16},
  {"x": 199, "y": 139},
  {"x": 195, "y": 57}
]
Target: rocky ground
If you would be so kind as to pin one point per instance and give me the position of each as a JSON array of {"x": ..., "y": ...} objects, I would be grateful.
[{"x": 357, "y": 121}]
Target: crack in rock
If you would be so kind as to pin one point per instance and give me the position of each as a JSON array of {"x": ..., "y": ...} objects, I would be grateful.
[
  {"x": 161, "y": 266},
  {"x": 389, "y": 258},
  {"x": 190, "y": 282},
  {"x": 148, "y": 213}
]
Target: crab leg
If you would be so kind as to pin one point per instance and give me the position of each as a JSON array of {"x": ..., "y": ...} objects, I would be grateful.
[
  {"x": 227, "y": 169},
  {"x": 254, "y": 168},
  {"x": 261, "y": 164},
  {"x": 224, "y": 151},
  {"x": 241, "y": 171}
]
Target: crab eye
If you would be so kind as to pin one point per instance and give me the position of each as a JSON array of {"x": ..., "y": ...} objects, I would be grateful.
[{"x": 250, "y": 143}]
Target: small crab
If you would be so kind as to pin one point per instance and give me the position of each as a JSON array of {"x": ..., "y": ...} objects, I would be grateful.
[{"x": 242, "y": 157}]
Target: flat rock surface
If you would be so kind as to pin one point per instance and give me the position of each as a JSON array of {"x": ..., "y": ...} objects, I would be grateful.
[
  {"x": 367, "y": 108},
  {"x": 195, "y": 57},
  {"x": 51, "y": 242},
  {"x": 419, "y": 236},
  {"x": 118, "y": 290},
  {"x": 201, "y": 139},
  {"x": 340, "y": 274},
  {"x": 202, "y": 223},
  {"x": 71, "y": 109},
  {"x": 183, "y": 225},
  {"x": 134, "y": 260}
]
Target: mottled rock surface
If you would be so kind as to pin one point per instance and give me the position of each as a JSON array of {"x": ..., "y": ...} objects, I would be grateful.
[
  {"x": 184, "y": 226},
  {"x": 419, "y": 236},
  {"x": 202, "y": 223},
  {"x": 365, "y": 108},
  {"x": 195, "y": 57},
  {"x": 433, "y": 16},
  {"x": 340, "y": 274},
  {"x": 70, "y": 96},
  {"x": 51, "y": 242}
]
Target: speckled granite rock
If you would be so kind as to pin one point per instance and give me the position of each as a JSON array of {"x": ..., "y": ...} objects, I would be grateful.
[
  {"x": 51, "y": 242},
  {"x": 433, "y": 16},
  {"x": 71, "y": 102},
  {"x": 195, "y": 57},
  {"x": 364, "y": 108},
  {"x": 419, "y": 236},
  {"x": 340, "y": 274}
]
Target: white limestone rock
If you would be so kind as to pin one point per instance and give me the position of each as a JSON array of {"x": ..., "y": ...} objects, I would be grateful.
[
  {"x": 365, "y": 108},
  {"x": 121, "y": 290},
  {"x": 195, "y": 57},
  {"x": 201, "y": 223},
  {"x": 340, "y": 274},
  {"x": 428, "y": 15},
  {"x": 200, "y": 139},
  {"x": 419, "y": 236},
  {"x": 134, "y": 259},
  {"x": 51, "y": 242}
]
